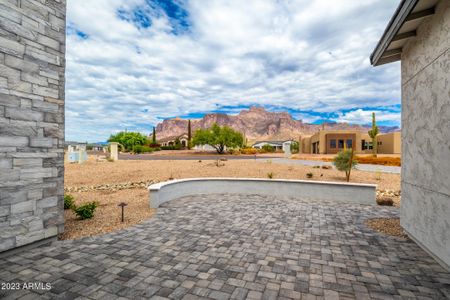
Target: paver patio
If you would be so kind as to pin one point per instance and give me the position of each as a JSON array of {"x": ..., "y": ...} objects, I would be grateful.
[{"x": 239, "y": 247}]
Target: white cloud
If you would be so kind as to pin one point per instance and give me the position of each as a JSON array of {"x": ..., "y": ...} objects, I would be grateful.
[
  {"x": 365, "y": 116},
  {"x": 304, "y": 55}
]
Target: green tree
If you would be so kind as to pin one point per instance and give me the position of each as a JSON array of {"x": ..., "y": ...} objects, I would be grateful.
[
  {"x": 373, "y": 135},
  {"x": 218, "y": 137},
  {"x": 345, "y": 161},
  {"x": 189, "y": 135},
  {"x": 154, "y": 136},
  {"x": 295, "y": 147},
  {"x": 128, "y": 139}
]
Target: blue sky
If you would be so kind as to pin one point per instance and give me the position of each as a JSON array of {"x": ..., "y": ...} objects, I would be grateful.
[{"x": 133, "y": 63}]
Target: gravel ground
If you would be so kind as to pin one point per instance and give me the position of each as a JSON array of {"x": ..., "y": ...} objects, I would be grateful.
[
  {"x": 95, "y": 173},
  {"x": 387, "y": 226},
  {"x": 107, "y": 216},
  {"x": 85, "y": 179}
]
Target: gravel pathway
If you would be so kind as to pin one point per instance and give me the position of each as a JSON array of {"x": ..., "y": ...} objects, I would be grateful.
[
  {"x": 362, "y": 167},
  {"x": 238, "y": 247}
]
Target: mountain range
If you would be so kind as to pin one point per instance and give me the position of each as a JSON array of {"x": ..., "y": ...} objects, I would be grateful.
[{"x": 256, "y": 123}]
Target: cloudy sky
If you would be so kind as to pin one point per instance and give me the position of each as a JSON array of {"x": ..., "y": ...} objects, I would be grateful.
[{"x": 133, "y": 63}]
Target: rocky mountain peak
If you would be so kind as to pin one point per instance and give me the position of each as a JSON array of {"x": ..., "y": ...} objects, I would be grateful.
[{"x": 256, "y": 123}]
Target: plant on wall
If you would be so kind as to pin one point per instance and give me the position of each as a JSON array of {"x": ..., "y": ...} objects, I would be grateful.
[{"x": 373, "y": 135}]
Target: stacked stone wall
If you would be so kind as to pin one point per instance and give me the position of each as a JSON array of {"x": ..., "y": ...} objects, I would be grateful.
[{"x": 32, "y": 64}]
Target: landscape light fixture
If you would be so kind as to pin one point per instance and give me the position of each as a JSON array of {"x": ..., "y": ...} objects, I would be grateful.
[{"x": 122, "y": 205}]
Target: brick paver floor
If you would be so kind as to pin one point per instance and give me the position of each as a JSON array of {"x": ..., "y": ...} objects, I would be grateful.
[{"x": 238, "y": 247}]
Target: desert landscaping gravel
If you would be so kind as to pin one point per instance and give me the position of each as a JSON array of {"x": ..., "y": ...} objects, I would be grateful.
[
  {"x": 389, "y": 226},
  {"x": 110, "y": 183}
]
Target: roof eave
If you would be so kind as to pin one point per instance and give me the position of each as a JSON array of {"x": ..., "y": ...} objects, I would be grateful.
[{"x": 396, "y": 22}]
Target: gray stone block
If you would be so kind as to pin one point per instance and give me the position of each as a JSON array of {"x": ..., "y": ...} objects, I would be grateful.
[
  {"x": 24, "y": 114},
  {"x": 4, "y": 210},
  {"x": 9, "y": 100},
  {"x": 41, "y": 142},
  {"x": 5, "y": 163},
  {"x": 49, "y": 42},
  {"x": 22, "y": 207},
  {"x": 47, "y": 202},
  {"x": 45, "y": 91},
  {"x": 27, "y": 162},
  {"x": 21, "y": 64},
  {"x": 7, "y": 243},
  {"x": 45, "y": 106},
  {"x": 9, "y": 46},
  {"x": 15, "y": 141}
]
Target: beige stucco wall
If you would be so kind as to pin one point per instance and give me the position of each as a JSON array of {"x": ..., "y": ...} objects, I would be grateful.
[
  {"x": 389, "y": 143},
  {"x": 425, "y": 208}
]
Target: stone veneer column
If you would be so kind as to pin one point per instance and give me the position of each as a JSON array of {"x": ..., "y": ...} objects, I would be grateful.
[
  {"x": 425, "y": 208},
  {"x": 32, "y": 63}
]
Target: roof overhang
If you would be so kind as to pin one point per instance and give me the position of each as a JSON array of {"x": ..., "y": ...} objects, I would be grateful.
[{"x": 402, "y": 26}]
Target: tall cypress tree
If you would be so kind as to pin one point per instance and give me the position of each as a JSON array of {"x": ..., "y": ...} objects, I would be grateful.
[
  {"x": 189, "y": 135},
  {"x": 154, "y": 136}
]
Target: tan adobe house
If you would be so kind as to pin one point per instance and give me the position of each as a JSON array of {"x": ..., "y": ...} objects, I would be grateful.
[
  {"x": 170, "y": 141},
  {"x": 419, "y": 36},
  {"x": 333, "y": 141}
]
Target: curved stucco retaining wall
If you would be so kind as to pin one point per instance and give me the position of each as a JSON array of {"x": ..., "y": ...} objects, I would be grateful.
[{"x": 336, "y": 191}]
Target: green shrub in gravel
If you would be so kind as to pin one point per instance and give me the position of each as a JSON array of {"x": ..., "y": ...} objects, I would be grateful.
[
  {"x": 68, "y": 201},
  {"x": 85, "y": 211}
]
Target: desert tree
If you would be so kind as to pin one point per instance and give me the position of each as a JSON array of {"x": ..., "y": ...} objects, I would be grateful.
[
  {"x": 219, "y": 137},
  {"x": 345, "y": 162},
  {"x": 128, "y": 139}
]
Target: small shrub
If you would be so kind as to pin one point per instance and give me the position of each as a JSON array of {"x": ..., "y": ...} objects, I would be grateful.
[
  {"x": 386, "y": 201},
  {"x": 109, "y": 159},
  {"x": 68, "y": 201},
  {"x": 174, "y": 147},
  {"x": 270, "y": 175},
  {"x": 378, "y": 175},
  {"x": 155, "y": 148},
  {"x": 85, "y": 211},
  {"x": 142, "y": 149},
  {"x": 309, "y": 175},
  {"x": 137, "y": 149},
  {"x": 326, "y": 167},
  {"x": 249, "y": 151},
  {"x": 154, "y": 145},
  {"x": 316, "y": 167},
  {"x": 268, "y": 148},
  {"x": 345, "y": 161}
]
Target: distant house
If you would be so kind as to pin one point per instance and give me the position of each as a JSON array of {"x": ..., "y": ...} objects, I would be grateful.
[
  {"x": 96, "y": 147},
  {"x": 74, "y": 145},
  {"x": 333, "y": 141},
  {"x": 170, "y": 141},
  {"x": 277, "y": 145}
]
